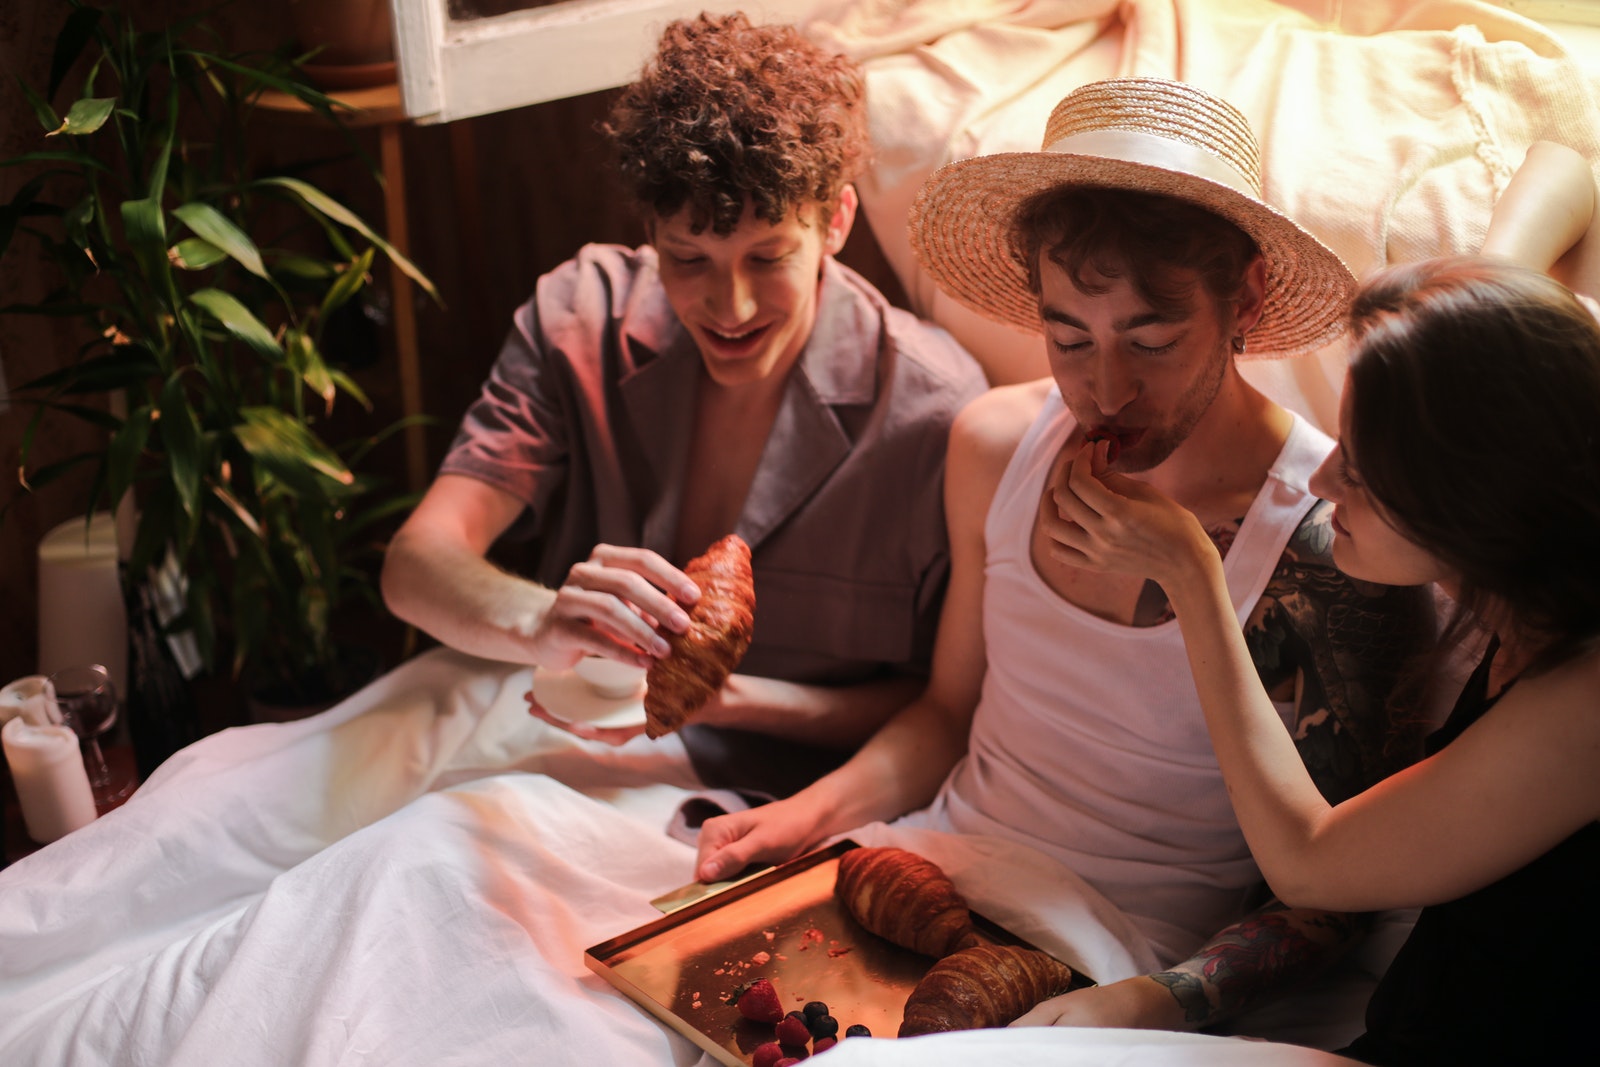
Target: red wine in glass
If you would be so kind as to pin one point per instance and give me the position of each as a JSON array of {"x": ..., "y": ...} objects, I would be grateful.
[{"x": 88, "y": 701}]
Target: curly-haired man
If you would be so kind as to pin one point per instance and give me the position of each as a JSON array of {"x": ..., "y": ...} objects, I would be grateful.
[{"x": 729, "y": 376}]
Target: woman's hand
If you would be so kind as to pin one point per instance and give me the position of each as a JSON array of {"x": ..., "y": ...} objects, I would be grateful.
[{"x": 1112, "y": 523}]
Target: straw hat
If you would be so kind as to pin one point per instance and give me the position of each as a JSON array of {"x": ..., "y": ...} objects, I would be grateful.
[{"x": 1141, "y": 134}]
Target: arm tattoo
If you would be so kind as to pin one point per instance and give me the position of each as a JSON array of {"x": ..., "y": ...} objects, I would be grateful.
[
  {"x": 1264, "y": 952},
  {"x": 1339, "y": 648}
]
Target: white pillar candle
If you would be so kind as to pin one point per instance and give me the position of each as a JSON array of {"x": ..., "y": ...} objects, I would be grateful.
[
  {"x": 31, "y": 697},
  {"x": 52, "y": 785}
]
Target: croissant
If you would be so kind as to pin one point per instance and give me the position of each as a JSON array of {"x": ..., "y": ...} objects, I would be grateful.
[
  {"x": 980, "y": 986},
  {"x": 720, "y": 626},
  {"x": 904, "y": 898}
]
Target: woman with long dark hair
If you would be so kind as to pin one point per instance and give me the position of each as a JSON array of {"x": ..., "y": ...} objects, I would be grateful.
[{"x": 1469, "y": 456}]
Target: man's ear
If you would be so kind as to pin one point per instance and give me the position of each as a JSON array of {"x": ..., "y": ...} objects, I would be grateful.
[
  {"x": 1252, "y": 299},
  {"x": 844, "y": 217}
]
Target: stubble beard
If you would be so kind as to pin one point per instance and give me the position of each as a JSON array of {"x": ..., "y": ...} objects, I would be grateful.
[{"x": 1158, "y": 447}]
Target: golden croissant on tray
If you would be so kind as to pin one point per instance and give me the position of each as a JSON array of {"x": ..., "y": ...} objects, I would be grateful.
[
  {"x": 905, "y": 899},
  {"x": 982, "y": 986},
  {"x": 720, "y": 626}
]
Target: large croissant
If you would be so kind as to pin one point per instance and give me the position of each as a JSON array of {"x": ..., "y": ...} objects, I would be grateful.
[
  {"x": 981, "y": 986},
  {"x": 904, "y": 898},
  {"x": 720, "y": 625}
]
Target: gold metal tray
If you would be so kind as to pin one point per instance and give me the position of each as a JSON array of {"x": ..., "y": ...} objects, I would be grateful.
[{"x": 785, "y": 925}]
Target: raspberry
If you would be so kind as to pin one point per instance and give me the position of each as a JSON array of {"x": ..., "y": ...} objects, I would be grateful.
[
  {"x": 757, "y": 1000},
  {"x": 823, "y": 1044},
  {"x": 766, "y": 1055},
  {"x": 792, "y": 1030}
]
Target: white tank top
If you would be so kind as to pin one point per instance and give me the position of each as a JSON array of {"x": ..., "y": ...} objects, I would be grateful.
[{"x": 1088, "y": 743}]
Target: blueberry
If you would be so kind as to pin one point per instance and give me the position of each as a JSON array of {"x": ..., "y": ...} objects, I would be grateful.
[
  {"x": 856, "y": 1030},
  {"x": 824, "y": 1026},
  {"x": 815, "y": 1009}
]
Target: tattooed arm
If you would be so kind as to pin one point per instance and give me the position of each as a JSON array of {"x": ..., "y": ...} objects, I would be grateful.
[
  {"x": 1343, "y": 652},
  {"x": 1336, "y": 650}
]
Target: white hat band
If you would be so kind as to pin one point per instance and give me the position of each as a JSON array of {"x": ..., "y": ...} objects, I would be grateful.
[{"x": 1153, "y": 150}]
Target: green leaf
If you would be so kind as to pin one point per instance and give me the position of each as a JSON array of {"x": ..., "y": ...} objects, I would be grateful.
[
  {"x": 209, "y": 223},
  {"x": 239, "y": 511},
  {"x": 237, "y": 320},
  {"x": 290, "y": 452},
  {"x": 51, "y": 471},
  {"x": 86, "y": 116},
  {"x": 93, "y": 416},
  {"x": 122, "y": 454},
  {"x": 154, "y": 533},
  {"x": 80, "y": 160},
  {"x": 321, "y": 201},
  {"x": 77, "y": 219},
  {"x": 348, "y": 385},
  {"x": 146, "y": 230},
  {"x": 41, "y": 109},
  {"x": 349, "y": 283},
  {"x": 261, "y": 79},
  {"x": 195, "y": 253},
  {"x": 124, "y": 366},
  {"x": 306, "y": 267},
  {"x": 307, "y": 363},
  {"x": 180, "y": 435}
]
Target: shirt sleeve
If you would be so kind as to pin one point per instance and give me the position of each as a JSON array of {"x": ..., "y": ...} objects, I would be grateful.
[{"x": 515, "y": 436}]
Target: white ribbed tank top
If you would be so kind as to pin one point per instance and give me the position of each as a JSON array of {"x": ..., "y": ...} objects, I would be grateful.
[{"x": 1088, "y": 743}]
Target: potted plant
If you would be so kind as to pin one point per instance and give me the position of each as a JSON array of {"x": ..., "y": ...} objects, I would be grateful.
[{"x": 205, "y": 290}]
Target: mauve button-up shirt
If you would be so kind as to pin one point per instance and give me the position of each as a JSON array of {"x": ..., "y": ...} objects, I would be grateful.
[{"x": 586, "y": 419}]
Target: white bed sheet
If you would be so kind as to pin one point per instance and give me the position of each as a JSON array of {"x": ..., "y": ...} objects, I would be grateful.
[{"x": 412, "y": 878}]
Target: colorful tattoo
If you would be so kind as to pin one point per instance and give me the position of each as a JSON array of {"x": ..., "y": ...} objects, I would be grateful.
[
  {"x": 1338, "y": 648},
  {"x": 1264, "y": 952},
  {"x": 1335, "y": 648}
]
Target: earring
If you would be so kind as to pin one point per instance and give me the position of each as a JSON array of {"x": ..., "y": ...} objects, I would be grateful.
[{"x": 1238, "y": 344}]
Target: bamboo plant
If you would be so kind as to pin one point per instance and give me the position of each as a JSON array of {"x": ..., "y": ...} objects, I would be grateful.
[{"x": 204, "y": 364}]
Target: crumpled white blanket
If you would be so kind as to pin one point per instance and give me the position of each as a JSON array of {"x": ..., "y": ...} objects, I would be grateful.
[
  {"x": 412, "y": 878},
  {"x": 1387, "y": 128}
]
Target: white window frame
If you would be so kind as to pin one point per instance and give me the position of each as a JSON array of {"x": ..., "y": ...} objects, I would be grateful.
[{"x": 454, "y": 70}]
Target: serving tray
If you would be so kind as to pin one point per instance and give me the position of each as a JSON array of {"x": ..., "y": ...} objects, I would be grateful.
[{"x": 785, "y": 925}]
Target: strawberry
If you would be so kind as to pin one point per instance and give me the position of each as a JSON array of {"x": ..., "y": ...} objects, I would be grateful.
[
  {"x": 757, "y": 1000},
  {"x": 766, "y": 1055},
  {"x": 792, "y": 1030}
]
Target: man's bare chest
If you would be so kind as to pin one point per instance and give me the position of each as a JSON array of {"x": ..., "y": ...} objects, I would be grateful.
[{"x": 1122, "y": 598}]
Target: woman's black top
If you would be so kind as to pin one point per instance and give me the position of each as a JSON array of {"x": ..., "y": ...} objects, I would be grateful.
[{"x": 1505, "y": 974}]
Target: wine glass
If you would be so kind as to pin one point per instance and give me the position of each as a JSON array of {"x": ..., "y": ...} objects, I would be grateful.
[{"x": 88, "y": 701}]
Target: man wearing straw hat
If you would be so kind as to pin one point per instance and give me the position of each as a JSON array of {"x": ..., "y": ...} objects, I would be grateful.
[{"x": 1061, "y": 714}]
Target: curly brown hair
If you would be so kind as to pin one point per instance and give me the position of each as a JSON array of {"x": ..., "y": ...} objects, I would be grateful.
[{"x": 728, "y": 113}]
